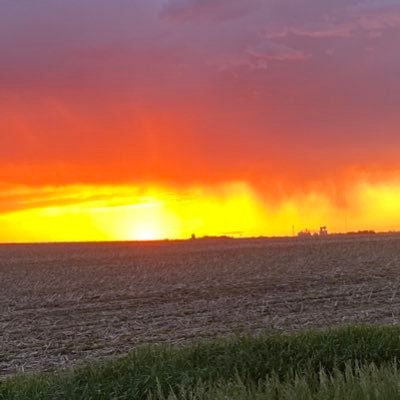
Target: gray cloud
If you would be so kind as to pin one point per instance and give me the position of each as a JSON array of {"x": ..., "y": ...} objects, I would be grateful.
[
  {"x": 365, "y": 17},
  {"x": 183, "y": 10},
  {"x": 377, "y": 4},
  {"x": 320, "y": 30},
  {"x": 257, "y": 57},
  {"x": 276, "y": 52}
]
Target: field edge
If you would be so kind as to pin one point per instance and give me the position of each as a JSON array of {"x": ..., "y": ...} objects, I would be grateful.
[{"x": 155, "y": 371}]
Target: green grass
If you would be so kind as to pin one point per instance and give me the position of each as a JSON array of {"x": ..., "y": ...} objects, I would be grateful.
[
  {"x": 352, "y": 384},
  {"x": 346, "y": 363}
]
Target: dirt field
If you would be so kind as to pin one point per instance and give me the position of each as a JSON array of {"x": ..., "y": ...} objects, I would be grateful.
[{"x": 63, "y": 303}]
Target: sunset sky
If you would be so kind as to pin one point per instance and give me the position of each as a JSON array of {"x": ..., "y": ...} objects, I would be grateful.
[{"x": 153, "y": 119}]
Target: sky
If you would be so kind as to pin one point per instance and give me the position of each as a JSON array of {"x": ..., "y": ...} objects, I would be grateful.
[{"x": 153, "y": 119}]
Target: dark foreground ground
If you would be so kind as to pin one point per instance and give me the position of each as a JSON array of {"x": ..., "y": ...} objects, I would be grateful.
[
  {"x": 352, "y": 363},
  {"x": 63, "y": 303}
]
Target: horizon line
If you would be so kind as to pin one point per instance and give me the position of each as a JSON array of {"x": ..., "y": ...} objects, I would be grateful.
[{"x": 211, "y": 237}]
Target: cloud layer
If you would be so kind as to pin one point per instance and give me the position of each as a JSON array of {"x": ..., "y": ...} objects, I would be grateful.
[{"x": 281, "y": 94}]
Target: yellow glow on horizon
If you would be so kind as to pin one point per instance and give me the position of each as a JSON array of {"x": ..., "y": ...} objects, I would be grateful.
[
  {"x": 104, "y": 213},
  {"x": 127, "y": 213}
]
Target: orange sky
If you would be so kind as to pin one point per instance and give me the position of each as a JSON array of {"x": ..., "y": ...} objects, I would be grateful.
[{"x": 159, "y": 118}]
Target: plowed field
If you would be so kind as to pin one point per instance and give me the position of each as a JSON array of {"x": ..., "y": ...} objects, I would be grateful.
[{"x": 64, "y": 303}]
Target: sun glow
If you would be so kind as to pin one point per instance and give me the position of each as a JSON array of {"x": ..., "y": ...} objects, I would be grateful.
[
  {"x": 131, "y": 213},
  {"x": 104, "y": 213}
]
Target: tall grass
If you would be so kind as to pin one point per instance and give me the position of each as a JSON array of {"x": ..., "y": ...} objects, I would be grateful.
[
  {"x": 341, "y": 363},
  {"x": 369, "y": 382}
]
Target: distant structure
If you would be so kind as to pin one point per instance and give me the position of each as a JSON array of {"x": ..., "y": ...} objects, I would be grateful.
[
  {"x": 304, "y": 234},
  {"x": 363, "y": 233},
  {"x": 193, "y": 237},
  {"x": 323, "y": 231}
]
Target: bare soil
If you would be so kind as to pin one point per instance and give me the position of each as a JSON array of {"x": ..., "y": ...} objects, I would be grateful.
[{"x": 64, "y": 303}]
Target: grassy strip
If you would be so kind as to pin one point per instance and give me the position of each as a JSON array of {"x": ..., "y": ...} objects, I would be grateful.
[
  {"x": 265, "y": 367},
  {"x": 363, "y": 383}
]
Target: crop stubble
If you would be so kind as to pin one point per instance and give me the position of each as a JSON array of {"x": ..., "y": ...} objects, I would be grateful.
[{"x": 64, "y": 303}]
